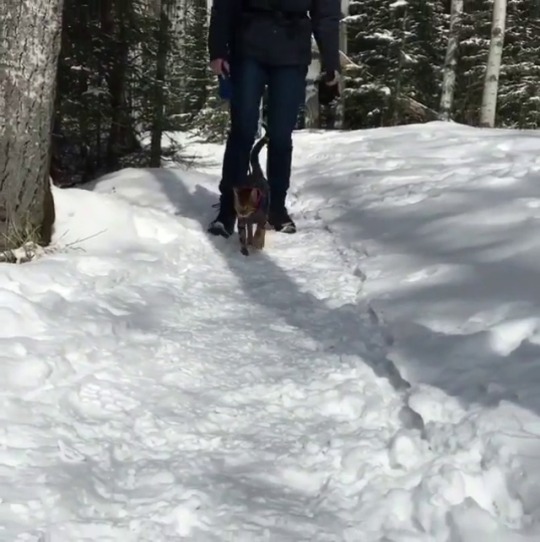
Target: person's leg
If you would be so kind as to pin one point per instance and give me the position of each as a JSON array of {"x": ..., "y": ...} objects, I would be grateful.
[
  {"x": 248, "y": 78},
  {"x": 286, "y": 94}
]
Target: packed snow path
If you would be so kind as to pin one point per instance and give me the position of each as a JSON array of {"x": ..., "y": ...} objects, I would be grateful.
[{"x": 160, "y": 386}]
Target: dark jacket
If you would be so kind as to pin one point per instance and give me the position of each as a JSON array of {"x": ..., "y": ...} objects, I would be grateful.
[{"x": 237, "y": 30}]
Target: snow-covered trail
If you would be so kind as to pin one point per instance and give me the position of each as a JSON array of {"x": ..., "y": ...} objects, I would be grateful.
[
  {"x": 180, "y": 390},
  {"x": 159, "y": 386}
]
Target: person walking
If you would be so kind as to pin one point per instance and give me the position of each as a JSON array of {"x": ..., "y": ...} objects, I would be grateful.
[{"x": 266, "y": 44}]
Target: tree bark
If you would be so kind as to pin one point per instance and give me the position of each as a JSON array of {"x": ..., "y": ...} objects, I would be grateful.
[
  {"x": 450, "y": 61},
  {"x": 493, "y": 68},
  {"x": 29, "y": 48}
]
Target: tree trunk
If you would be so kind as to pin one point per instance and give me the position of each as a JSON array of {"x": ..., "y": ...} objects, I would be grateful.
[
  {"x": 311, "y": 101},
  {"x": 340, "y": 104},
  {"x": 401, "y": 52},
  {"x": 491, "y": 82},
  {"x": 159, "y": 84},
  {"x": 450, "y": 61},
  {"x": 29, "y": 48}
]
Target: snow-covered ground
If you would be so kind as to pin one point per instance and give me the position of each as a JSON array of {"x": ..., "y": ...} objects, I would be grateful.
[{"x": 373, "y": 378}]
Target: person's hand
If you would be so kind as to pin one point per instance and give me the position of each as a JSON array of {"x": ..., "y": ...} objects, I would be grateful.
[
  {"x": 332, "y": 79},
  {"x": 219, "y": 66}
]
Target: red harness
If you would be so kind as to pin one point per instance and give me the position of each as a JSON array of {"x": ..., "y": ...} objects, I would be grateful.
[{"x": 260, "y": 197}]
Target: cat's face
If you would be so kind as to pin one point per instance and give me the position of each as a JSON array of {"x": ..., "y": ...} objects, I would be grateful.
[{"x": 246, "y": 201}]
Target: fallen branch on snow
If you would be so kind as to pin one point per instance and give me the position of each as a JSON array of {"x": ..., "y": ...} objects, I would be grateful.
[{"x": 26, "y": 253}]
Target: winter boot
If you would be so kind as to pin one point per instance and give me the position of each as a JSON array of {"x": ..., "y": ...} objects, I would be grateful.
[
  {"x": 279, "y": 218},
  {"x": 225, "y": 220}
]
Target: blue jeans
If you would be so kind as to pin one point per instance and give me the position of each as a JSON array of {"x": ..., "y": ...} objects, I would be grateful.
[{"x": 286, "y": 93}]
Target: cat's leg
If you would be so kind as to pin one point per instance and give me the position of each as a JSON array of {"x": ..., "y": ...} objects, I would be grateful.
[
  {"x": 242, "y": 233},
  {"x": 249, "y": 226},
  {"x": 260, "y": 233}
]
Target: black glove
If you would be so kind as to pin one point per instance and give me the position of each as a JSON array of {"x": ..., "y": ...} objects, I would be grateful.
[{"x": 327, "y": 93}]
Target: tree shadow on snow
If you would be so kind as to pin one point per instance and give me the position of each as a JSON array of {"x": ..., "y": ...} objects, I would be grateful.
[
  {"x": 493, "y": 353},
  {"x": 349, "y": 330}
]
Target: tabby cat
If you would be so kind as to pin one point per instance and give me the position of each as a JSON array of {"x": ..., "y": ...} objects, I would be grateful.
[{"x": 251, "y": 202}]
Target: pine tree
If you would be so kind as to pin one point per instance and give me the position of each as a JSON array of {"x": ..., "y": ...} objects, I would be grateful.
[
  {"x": 196, "y": 56},
  {"x": 105, "y": 86},
  {"x": 428, "y": 31},
  {"x": 519, "y": 84},
  {"x": 159, "y": 97},
  {"x": 399, "y": 47},
  {"x": 371, "y": 37}
]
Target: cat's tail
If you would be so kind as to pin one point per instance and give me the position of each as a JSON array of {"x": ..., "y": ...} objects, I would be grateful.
[{"x": 256, "y": 169}]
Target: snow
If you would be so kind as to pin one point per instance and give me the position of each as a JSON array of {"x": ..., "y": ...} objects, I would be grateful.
[
  {"x": 373, "y": 378},
  {"x": 399, "y": 3}
]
